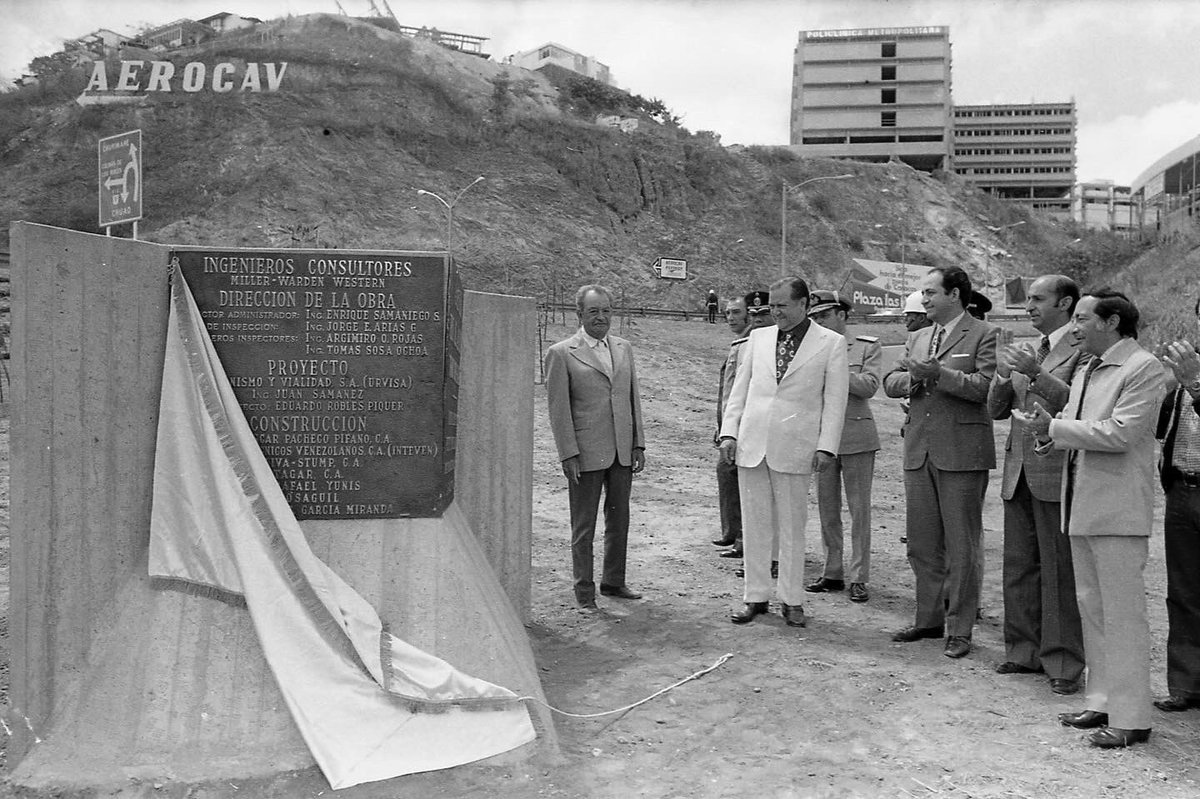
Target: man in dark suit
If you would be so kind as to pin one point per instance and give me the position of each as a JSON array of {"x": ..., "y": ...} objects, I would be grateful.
[
  {"x": 596, "y": 418},
  {"x": 1179, "y": 429},
  {"x": 1041, "y": 617},
  {"x": 948, "y": 450}
]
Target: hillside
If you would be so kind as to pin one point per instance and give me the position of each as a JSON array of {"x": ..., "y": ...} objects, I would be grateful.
[{"x": 365, "y": 117}]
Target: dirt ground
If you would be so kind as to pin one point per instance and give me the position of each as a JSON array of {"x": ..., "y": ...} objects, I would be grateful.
[{"x": 832, "y": 710}]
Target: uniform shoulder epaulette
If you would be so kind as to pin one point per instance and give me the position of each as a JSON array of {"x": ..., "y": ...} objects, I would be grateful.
[
  {"x": 738, "y": 341},
  {"x": 868, "y": 339}
]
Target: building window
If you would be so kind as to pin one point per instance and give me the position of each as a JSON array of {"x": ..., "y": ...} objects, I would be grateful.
[
  {"x": 545, "y": 52},
  {"x": 887, "y": 72},
  {"x": 887, "y": 50},
  {"x": 887, "y": 96},
  {"x": 887, "y": 119}
]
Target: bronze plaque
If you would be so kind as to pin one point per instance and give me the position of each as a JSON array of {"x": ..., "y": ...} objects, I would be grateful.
[{"x": 345, "y": 364}]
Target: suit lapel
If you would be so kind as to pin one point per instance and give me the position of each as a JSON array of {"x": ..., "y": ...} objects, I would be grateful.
[
  {"x": 954, "y": 336},
  {"x": 1059, "y": 354},
  {"x": 809, "y": 346},
  {"x": 586, "y": 355}
]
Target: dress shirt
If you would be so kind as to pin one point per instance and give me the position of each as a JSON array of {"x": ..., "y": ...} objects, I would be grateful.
[{"x": 600, "y": 348}]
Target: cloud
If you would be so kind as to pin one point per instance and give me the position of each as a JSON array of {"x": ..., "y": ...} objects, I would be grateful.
[{"x": 1122, "y": 147}]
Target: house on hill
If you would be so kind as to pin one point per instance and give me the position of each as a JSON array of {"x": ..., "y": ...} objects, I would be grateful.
[
  {"x": 551, "y": 53},
  {"x": 226, "y": 21}
]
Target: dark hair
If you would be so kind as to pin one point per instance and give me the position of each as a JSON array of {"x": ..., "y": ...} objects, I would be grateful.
[
  {"x": 798, "y": 287},
  {"x": 1063, "y": 286},
  {"x": 955, "y": 277},
  {"x": 583, "y": 291},
  {"x": 1109, "y": 302}
]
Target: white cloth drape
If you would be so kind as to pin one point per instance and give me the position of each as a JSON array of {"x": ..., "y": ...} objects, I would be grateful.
[{"x": 368, "y": 705}]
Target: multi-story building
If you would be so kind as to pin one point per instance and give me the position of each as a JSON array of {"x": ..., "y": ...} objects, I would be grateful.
[
  {"x": 1167, "y": 194},
  {"x": 873, "y": 94},
  {"x": 1023, "y": 152},
  {"x": 1102, "y": 205},
  {"x": 551, "y": 53}
]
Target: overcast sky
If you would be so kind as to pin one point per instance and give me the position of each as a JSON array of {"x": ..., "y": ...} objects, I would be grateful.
[{"x": 1132, "y": 66}]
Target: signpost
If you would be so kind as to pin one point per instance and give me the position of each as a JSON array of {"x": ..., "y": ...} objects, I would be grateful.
[
  {"x": 671, "y": 268},
  {"x": 120, "y": 180}
]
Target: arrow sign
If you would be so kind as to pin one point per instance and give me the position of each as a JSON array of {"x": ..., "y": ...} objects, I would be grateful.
[{"x": 120, "y": 178}]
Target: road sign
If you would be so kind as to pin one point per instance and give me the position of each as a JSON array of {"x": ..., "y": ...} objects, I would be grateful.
[
  {"x": 120, "y": 160},
  {"x": 671, "y": 268}
]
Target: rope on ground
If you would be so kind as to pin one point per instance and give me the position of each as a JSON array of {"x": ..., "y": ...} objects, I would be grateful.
[{"x": 720, "y": 661}]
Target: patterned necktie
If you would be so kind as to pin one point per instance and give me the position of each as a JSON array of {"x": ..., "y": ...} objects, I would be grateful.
[
  {"x": 785, "y": 349},
  {"x": 935, "y": 343},
  {"x": 1043, "y": 350}
]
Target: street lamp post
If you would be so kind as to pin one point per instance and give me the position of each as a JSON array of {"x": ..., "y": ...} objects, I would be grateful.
[
  {"x": 449, "y": 206},
  {"x": 784, "y": 188}
]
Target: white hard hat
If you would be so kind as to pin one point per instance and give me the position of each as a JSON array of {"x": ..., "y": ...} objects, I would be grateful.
[{"x": 912, "y": 303}]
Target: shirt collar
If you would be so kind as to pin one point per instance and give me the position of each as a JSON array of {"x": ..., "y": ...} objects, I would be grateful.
[
  {"x": 953, "y": 323},
  {"x": 592, "y": 342},
  {"x": 1056, "y": 336}
]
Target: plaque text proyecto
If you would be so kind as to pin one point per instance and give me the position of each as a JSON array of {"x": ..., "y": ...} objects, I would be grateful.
[{"x": 338, "y": 359}]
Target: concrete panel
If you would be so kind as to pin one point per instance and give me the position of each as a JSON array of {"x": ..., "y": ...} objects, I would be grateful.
[{"x": 121, "y": 680}]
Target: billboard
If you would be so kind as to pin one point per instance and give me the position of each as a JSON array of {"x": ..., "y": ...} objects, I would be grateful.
[{"x": 876, "y": 286}]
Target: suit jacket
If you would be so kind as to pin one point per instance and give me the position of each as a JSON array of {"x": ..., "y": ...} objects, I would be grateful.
[
  {"x": 859, "y": 433},
  {"x": 947, "y": 418},
  {"x": 1113, "y": 492},
  {"x": 1177, "y": 402},
  {"x": 594, "y": 415},
  {"x": 1043, "y": 473},
  {"x": 785, "y": 423}
]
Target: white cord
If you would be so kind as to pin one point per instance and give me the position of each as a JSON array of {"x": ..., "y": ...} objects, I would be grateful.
[{"x": 689, "y": 678}]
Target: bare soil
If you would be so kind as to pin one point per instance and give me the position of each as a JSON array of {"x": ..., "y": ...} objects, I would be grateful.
[{"x": 832, "y": 710}]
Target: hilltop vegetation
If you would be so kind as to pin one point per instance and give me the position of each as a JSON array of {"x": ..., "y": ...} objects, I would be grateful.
[{"x": 365, "y": 117}]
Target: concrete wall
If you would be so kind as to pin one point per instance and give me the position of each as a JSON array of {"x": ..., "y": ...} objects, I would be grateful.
[{"x": 119, "y": 680}]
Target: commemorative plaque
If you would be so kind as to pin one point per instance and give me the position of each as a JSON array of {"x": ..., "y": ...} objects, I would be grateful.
[{"x": 345, "y": 365}]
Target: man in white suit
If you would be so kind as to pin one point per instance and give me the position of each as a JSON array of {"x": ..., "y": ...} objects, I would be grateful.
[{"x": 782, "y": 422}]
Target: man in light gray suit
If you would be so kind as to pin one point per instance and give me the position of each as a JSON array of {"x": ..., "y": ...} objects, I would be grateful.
[
  {"x": 855, "y": 461},
  {"x": 1041, "y": 617},
  {"x": 1107, "y": 430},
  {"x": 948, "y": 450},
  {"x": 596, "y": 417}
]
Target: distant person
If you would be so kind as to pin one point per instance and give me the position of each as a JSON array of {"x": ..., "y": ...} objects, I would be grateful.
[
  {"x": 948, "y": 450},
  {"x": 1107, "y": 431},
  {"x": 783, "y": 421},
  {"x": 728, "y": 499},
  {"x": 1041, "y": 618},
  {"x": 712, "y": 303},
  {"x": 854, "y": 465},
  {"x": 596, "y": 418},
  {"x": 1179, "y": 429},
  {"x": 914, "y": 313}
]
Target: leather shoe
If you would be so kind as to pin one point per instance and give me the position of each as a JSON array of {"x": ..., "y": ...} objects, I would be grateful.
[
  {"x": 1085, "y": 720},
  {"x": 1174, "y": 704},
  {"x": 793, "y": 615},
  {"x": 1012, "y": 667},
  {"x": 733, "y": 553},
  {"x": 858, "y": 592},
  {"x": 957, "y": 646},
  {"x": 619, "y": 591},
  {"x": 748, "y": 613},
  {"x": 1063, "y": 686},
  {"x": 824, "y": 584},
  {"x": 725, "y": 542},
  {"x": 587, "y": 604},
  {"x": 910, "y": 634},
  {"x": 1113, "y": 737}
]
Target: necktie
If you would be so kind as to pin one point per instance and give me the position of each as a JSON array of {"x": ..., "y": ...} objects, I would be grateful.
[
  {"x": 1043, "y": 350},
  {"x": 935, "y": 343},
  {"x": 1087, "y": 378}
]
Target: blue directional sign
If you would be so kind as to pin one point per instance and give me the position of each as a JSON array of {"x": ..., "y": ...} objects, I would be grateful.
[{"x": 120, "y": 178}]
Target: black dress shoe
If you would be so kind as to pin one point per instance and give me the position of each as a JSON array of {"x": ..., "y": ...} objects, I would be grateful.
[
  {"x": 1063, "y": 686},
  {"x": 957, "y": 646},
  {"x": 1114, "y": 737},
  {"x": 1086, "y": 720},
  {"x": 825, "y": 584},
  {"x": 748, "y": 613},
  {"x": 910, "y": 634},
  {"x": 587, "y": 604},
  {"x": 725, "y": 542},
  {"x": 858, "y": 592},
  {"x": 1012, "y": 667},
  {"x": 619, "y": 591},
  {"x": 1175, "y": 704},
  {"x": 793, "y": 615},
  {"x": 733, "y": 553}
]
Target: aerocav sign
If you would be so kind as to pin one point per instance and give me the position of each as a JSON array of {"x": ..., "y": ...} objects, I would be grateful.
[{"x": 140, "y": 77}]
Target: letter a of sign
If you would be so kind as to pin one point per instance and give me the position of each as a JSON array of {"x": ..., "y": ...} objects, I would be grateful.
[{"x": 120, "y": 159}]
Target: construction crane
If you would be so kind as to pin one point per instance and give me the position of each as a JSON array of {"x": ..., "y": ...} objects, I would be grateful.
[{"x": 341, "y": 10}]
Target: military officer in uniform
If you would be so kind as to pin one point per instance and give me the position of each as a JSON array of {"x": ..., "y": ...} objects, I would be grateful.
[{"x": 854, "y": 465}]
